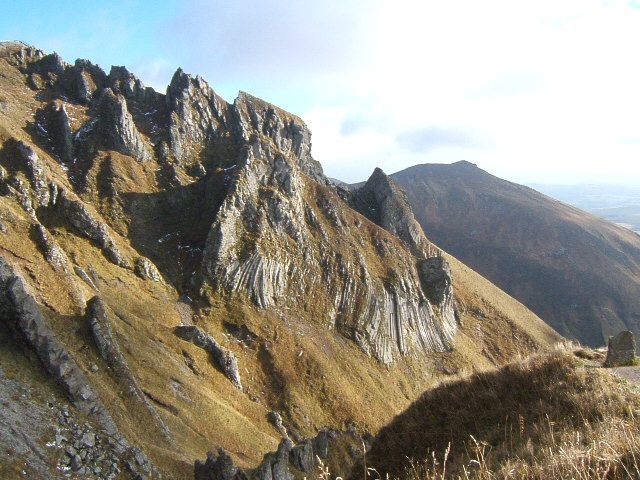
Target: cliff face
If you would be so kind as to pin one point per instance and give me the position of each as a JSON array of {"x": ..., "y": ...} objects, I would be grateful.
[
  {"x": 188, "y": 259},
  {"x": 286, "y": 240}
]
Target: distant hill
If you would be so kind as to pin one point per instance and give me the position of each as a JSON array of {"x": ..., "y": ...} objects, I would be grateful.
[
  {"x": 617, "y": 204},
  {"x": 578, "y": 272}
]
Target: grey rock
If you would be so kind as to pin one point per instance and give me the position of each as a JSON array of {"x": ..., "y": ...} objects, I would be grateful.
[
  {"x": 76, "y": 462},
  {"x": 85, "y": 278},
  {"x": 144, "y": 268},
  {"x": 301, "y": 456},
  {"x": 17, "y": 298},
  {"x": 621, "y": 350},
  {"x": 53, "y": 253},
  {"x": 383, "y": 202},
  {"x": 219, "y": 467},
  {"x": 55, "y": 119},
  {"x": 197, "y": 114},
  {"x": 116, "y": 128},
  {"x": 84, "y": 223},
  {"x": 224, "y": 359},
  {"x": 89, "y": 439},
  {"x": 280, "y": 467},
  {"x": 321, "y": 444},
  {"x": 124, "y": 83},
  {"x": 435, "y": 275},
  {"x": 82, "y": 81},
  {"x": 276, "y": 420}
]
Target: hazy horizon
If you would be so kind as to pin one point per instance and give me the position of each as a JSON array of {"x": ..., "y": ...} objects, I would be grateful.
[{"x": 534, "y": 93}]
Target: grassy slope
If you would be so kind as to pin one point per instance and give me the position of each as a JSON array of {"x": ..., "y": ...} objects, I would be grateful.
[
  {"x": 325, "y": 385},
  {"x": 545, "y": 417},
  {"x": 579, "y": 273}
]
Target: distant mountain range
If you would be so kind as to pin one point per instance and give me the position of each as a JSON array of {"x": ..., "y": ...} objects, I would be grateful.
[
  {"x": 578, "y": 272},
  {"x": 618, "y": 204}
]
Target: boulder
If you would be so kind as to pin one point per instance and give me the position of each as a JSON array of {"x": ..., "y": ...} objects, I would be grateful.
[
  {"x": 145, "y": 269},
  {"x": 622, "y": 350},
  {"x": 225, "y": 360},
  {"x": 301, "y": 456},
  {"x": 217, "y": 468}
]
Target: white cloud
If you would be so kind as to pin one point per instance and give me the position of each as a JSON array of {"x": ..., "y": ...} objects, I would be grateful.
[
  {"x": 544, "y": 90},
  {"x": 548, "y": 89}
]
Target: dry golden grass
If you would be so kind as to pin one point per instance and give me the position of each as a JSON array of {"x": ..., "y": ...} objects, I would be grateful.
[{"x": 541, "y": 418}]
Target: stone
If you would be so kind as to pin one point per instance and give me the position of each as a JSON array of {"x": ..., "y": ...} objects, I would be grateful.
[
  {"x": 222, "y": 358},
  {"x": 53, "y": 253},
  {"x": 144, "y": 268},
  {"x": 621, "y": 350},
  {"x": 86, "y": 224},
  {"x": 280, "y": 468},
  {"x": 218, "y": 467},
  {"x": 89, "y": 439},
  {"x": 82, "y": 81},
  {"x": 55, "y": 121},
  {"x": 321, "y": 444},
  {"x": 276, "y": 420},
  {"x": 19, "y": 303},
  {"x": 301, "y": 456},
  {"x": 116, "y": 128}
]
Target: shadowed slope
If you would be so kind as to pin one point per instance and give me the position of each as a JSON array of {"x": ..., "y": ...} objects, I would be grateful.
[{"x": 579, "y": 273}]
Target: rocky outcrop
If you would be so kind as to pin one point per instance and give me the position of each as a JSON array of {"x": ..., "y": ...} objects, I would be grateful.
[
  {"x": 83, "y": 81},
  {"x": 88, "y": 226},
  {"x": 19, "y": 307},
  {"x": 45, "y": 71},
  {"x": 276, "y": 420},
  {"x": 274, "y": 210},
  {"x": 218, "y": 467},
  {"x": 288, "y": 132},
  {"x": 621, "y": 350},
  {"x": 124, "y": 83},
  {"x": 197, "y": 115},
  {"x": 287, "y": 459},
  {"x": 53, "y": 253},
  {"x": 53, "y": 123},
  {"x": 383, "y": 202},
  {"x": 222, "y": 358},
  {"x": 116, "y": 128},
  {"x": 145, "y": 269}
]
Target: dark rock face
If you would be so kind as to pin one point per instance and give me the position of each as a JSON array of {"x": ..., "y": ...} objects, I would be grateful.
[
  {"x": 18, "y": 303},
  {"x": 435, "y": 275},
  {"x": 302, "y": 458},
  {"x": 225, "y": 360},
  {"x": 217, "y": 468},
  {"x": 383, "y": 202},
  {"x": 54, "y": 124},
  {"x": 82, "y": 81},
  {"x": 621, "y": 350},
  {"x": 117, "y": 129}
]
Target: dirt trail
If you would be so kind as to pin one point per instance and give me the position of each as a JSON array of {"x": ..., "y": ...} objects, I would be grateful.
[{"x": 629, "y": 373}]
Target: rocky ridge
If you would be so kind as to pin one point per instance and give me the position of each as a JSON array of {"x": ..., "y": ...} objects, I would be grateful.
[{"x": 157, "y": 248}]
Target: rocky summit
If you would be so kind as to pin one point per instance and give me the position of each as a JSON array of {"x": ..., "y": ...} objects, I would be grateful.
[{"x": 178, "y": 276}]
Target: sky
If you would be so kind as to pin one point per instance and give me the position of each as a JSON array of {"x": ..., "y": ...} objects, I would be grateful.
[{"x": 534, "y": 92}]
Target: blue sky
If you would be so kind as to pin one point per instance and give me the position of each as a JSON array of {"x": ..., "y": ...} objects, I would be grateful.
[{"x": 542, "y": 91}]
